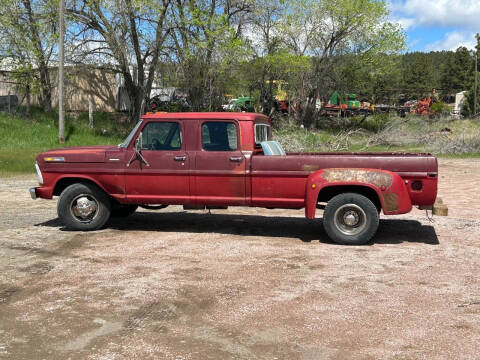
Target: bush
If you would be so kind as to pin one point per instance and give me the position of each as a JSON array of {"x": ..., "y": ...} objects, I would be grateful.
[
  {"x": 441, "y": 108},
  {"x": 373, "y": 123}
]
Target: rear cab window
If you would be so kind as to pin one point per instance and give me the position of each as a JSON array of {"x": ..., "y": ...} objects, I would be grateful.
[
  {"x": 219, "y": 136},
  {"x": 263, "y": 132}
]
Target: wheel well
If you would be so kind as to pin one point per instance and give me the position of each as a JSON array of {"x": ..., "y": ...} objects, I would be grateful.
[
  {"x": 62, "y": 184},
  {"x": 330, "y": 191}
]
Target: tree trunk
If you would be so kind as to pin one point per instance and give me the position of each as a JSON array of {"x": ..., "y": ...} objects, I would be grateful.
[
  {"x": 45, "y": 89},
  {"x": 308, "y": 118},
  {"x": 90, "y": 112},
  {"x": 27, "y": 95},
  {"x": 45, "y": 84},
  {"x": 136, "y": 97}
]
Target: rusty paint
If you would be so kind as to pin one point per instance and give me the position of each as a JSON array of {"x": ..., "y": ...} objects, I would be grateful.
[
  {"x": 376, "y": 178},
  {"x": 390, "y": 202},
  {"x": 309, "y": 167}
]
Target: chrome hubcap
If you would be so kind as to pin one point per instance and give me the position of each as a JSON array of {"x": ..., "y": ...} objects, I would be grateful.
[
  {"x": 350, "y": 219},
  {"x": 84, "y": 208}
]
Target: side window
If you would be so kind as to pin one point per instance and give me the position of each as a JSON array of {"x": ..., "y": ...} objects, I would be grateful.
[
  {"x": 162, "y": 136},
  {"x": 262, "y": 133},
  {"x": 219, "y": 136}
]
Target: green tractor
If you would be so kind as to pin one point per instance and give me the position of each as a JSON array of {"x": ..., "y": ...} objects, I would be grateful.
[
  {"x": 350, "y": 100},
  {"x": 243, "y": 104}
]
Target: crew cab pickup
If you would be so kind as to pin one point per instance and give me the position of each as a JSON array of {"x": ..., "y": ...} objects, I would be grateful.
[{"x": 216, "y": 160}]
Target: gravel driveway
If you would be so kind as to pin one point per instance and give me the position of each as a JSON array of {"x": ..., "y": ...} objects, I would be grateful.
[{"x": 240, "y": 283}]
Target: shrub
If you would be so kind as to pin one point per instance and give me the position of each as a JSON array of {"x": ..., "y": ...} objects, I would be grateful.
[{"x": 373, "y": 123}]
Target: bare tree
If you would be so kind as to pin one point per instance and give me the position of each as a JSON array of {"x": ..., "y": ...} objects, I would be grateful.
[{"x": 128, "y": 34}]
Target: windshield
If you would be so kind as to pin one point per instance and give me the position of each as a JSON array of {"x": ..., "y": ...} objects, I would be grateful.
[{"x": 125, "y": 143}]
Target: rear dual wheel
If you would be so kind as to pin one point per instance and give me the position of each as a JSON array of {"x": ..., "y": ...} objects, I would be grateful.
[{"x": 350, "y": 219}]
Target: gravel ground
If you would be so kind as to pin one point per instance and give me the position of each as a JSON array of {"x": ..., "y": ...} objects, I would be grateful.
[{"x": 240, "y": 284}]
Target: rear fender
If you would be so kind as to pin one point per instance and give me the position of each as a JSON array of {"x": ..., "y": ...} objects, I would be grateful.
[{"x": 389, "y": 187}]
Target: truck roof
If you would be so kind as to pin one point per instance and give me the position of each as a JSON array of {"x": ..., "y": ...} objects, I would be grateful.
[{"x": 240, "y": 116}]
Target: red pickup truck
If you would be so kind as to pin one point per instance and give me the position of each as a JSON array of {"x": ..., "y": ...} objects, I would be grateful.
[{"x": 215, "y": 160}]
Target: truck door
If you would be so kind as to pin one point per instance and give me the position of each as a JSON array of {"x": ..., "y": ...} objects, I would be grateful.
[
  {"x": 219, "y": 164},
  {"x": 160, "y": 173}
]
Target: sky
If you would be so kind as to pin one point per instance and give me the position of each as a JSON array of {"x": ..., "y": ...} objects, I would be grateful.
[{"x": 437, "y": 25}]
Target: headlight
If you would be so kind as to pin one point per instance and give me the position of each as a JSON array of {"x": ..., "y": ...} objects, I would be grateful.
[{"x": 39, "y": 174}]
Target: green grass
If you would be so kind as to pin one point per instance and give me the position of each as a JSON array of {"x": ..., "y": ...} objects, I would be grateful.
[
  {"x": 21, "y": 140},
  {"x": 460, "y": 156}
]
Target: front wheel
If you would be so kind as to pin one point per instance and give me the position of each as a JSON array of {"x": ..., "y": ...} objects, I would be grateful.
[
  {"x": 83, "y": 207},
  {"x": 350, "y": 219}
]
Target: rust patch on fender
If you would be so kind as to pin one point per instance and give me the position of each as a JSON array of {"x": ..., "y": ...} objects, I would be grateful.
[
  {"x": 376, "y": 178},
  {"x": 309, "y": 167},
  {"x": 390, "y": 202}
]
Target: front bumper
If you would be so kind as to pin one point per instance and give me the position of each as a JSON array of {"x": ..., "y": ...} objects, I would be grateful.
[{"x": 33, "y": 192}]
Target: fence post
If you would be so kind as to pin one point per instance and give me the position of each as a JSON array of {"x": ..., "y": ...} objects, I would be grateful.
[
  {"x": 9, "y": 102},
  {"x": 90, "y": 112}
]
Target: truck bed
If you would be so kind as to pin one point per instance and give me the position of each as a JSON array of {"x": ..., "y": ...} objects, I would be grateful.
[
  {"x": 284, "y": 177},
  {"x": 405, "y": 164}
]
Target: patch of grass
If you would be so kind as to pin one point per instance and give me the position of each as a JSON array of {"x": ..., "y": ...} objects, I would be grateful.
[
  {"x": 460, "y": 156},
  {"x": 21, "y": 140}
]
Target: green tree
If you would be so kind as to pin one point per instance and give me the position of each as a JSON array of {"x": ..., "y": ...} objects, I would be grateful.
[
  {"x": 329, "y": 29},
  {"x": 469, "y": 107},
  {"x": 265, "y": 45},
  {"x": 207, "y": 45},
  {"x": 459, "y": 72},
  {"x": 28, "y": 33}
]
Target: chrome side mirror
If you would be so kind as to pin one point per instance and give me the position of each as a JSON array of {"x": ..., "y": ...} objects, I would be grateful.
[{"x": 137, "y": 155}]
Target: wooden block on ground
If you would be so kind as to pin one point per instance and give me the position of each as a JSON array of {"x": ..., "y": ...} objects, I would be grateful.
[{"x": 440, "y": 209}]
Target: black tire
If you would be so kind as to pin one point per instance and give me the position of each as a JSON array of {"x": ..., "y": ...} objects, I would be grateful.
[
  {"x": 120, "y": 210},
  {"x": 350, "y": 219},
  {"x": 79, "y": 199}
]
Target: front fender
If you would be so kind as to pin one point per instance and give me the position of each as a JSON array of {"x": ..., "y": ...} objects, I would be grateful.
[
  {"x": 389, "y": 187},
  {"x": 53, "y": 179}
]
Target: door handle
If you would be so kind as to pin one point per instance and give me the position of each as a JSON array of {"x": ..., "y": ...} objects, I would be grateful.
[
  {"x": 180, "y": 158},
  {"x": 236, "y": 158}
]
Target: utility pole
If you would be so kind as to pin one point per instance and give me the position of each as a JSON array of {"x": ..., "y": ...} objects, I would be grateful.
[
  {"x": 477, "y": 48},
  {"x": 61, "y": 59},
  {"x": 475, "y": 89}
]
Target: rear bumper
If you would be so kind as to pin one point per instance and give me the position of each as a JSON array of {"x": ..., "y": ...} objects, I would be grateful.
[{"x": 33, "y": 192}]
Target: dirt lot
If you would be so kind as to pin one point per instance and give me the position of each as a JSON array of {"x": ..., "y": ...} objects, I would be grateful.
[{"x": 240, "y": 284}]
